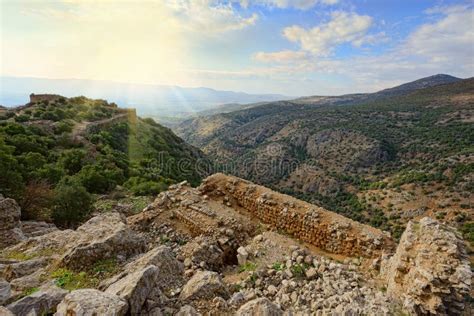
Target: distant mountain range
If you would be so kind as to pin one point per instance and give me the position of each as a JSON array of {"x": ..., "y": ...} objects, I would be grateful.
[{"x": 149, "y": 100}]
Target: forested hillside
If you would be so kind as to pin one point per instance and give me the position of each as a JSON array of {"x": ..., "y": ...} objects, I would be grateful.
[{"x": 58, "y": 154}]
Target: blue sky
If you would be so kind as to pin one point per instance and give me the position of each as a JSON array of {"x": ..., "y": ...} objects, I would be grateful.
[{"x": 293, "y": 47}]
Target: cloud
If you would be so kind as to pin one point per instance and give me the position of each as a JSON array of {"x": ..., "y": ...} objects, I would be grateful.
[
  {"x": 209, "y": 16},
  {"x": 321, "y": 40},
  {"x": 283, "y": 4},
  {"x": 286, "y": 56}
]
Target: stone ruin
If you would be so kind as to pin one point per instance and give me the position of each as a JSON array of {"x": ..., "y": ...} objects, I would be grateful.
[{"x": 324, "y": 229}]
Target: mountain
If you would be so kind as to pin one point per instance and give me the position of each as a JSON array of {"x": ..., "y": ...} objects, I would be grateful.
[
  {"x": 381, "y": 161},
  {"x": 149, "y": 100},
  {"x": 89, "y": 147}
]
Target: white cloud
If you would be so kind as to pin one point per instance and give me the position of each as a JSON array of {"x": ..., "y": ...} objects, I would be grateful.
[
  {"x": 282, "y": 4},
  {"x": 209, "y": 16},
  {"x": 286, "y": 56},
  {"x": 343, "y": 28}
]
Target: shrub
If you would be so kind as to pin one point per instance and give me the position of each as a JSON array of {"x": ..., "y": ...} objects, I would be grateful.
[
  {"x": 36, "y": 201},
  {"x": 72, "y": 204}
]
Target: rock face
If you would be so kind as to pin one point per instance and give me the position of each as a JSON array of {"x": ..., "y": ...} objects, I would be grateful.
[
  {"x": 139, "y": 290},
  {"x": 5, "y": 291},
  {"x": 259, "y": 307},
  {"x": 204, "y": 284},
  {"x": 39, "y": 303},
  {"x": 104, "y": 236},
  {"x": 430, "y": 270},
  {"x": 10, "y": 229},
  {"x": 91, "y": 302}
]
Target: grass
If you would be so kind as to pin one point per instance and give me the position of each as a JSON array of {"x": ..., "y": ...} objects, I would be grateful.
[
  {"x": 30, "y": 291},
  {"x": 71, "y": 280},
  {"x": 248, "y": 266},
  {"x": 278, "y": 266}
]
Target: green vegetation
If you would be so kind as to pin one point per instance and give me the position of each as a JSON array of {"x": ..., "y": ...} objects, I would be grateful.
[
  {"x": 278, "y": 266},
  {"x": 248, "y": 266},
  {"x": 55, "y": 169}
]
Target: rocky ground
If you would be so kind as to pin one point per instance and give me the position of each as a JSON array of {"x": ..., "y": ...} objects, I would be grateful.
[{"x": 209, "y": 251}]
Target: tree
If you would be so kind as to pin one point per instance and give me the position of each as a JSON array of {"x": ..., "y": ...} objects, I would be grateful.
[
  {"x": 11, "y": 180},
  {"x": 72, "y": 160},
  {"x": 72, "y": 204}
]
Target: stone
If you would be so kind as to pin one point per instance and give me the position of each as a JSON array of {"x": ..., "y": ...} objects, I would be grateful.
[
  {"x": 5, "y": 312},
  {"x": 106, "y": 236},
  {"x": 171, "y": 270},
  {"x": 87, "y": 302},
  {"x": 425, "y": 279},
  {"x": 242, "y": 255},
  {"x": 10, "y": 228},
  {"x": 138, "y": 287},
  {"x": 204, "y": 284},
  {"x": 237, "y": 299},
  {"x": 259, "y": 307},
  {"x": 5, "y": 291},
  {"x": 43, "y": 301},
  {"x": 187, "y": 310},
  {"x": 311, "y": 273},
  {"x": 23, "y": 268}
]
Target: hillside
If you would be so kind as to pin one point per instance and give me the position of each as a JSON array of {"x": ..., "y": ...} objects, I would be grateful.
[
  {"x": 56, "y": 147},
  {"x": 380, "y": 161}
]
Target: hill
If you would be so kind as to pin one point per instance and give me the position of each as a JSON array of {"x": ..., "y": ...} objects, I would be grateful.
[
  {"x": 158, "y": 101},
  {"x": 380, "y": 161},
  {"x": 56, "y": 146}
]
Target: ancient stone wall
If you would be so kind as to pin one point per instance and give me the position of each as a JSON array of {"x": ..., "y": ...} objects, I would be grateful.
[
  {"x": 35, "y": 98},
  {"x": 324, "y": 229}
]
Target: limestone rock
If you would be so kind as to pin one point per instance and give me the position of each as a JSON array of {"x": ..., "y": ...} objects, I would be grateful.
[
  {"x": 5, "y": 312},
  {"x": 23, "y": 268},
  {"x": 41, "y": 302},
  {"x": 88, "y": 302},
  {"x": 259, "y": 307},
  {"x": 104, "y": 236},
  {"x": 5, "y": 291},
  {"x": 430, "y": 270},
  {"x": 187, "y": 310},
  {"x": 10, "y": 229},
  {"x": 204, "y": 284},
  {"x": 171, "y": 270},
  {"x": 242, "y": 255},
  {"x": 137, "y": 288}
]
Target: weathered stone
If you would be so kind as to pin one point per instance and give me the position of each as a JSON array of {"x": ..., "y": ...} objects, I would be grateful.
[
  {"x": 259, "y": 307},
  {"x": 5, "y": 312},
  {"x": 41, "y": 302},
  {"x": 89, "y": 302},
  {"x": 5, "y": 291},
  {"x": 104, "y": 236},
  {"x": 425, "y": 279},
  {"x": 23, "y": 268},
  {"x": 242, "y": 255},
  {"x": 10, "y": 229},
  {"x": 137, "y": 288},
  {"x": 204, "y": 284},
  {"x": 187, "y": 310}
]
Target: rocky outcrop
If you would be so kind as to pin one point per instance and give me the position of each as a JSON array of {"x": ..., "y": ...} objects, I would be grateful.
[
  {"x": 5, "y": 291},
  {"x": 42, "y": 302},
  {"x": 430, "y": 271},
  {"x": 259, "y": 307},
  {"x": 139, "y": 290},
  {"x": 102, "y": 237},
  {"x": 10, "y": 228},
  {"x": 170, "y": 269},
  {"x": 204, "y": 284},
  {"x": 91, "y": 302}
]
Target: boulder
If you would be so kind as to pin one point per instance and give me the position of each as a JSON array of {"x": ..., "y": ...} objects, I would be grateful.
[
  {"x": 171, "y": 270},
  {"x": 187, "y": 310},
  {"x": 87, "y": 302},
  {"x": 102, "y": 237},
  {"x": 41, "y": 302},
  {"x": 259, "y": 307},
  {"x": 430, "y": 271},
  {"x": 138, "y": 289},
  {"x": 29, "y": 281},
  {"x": 5, "y": 291},
  {"x": 23, "y": 268},
  {"x": 242, "y": 255},
  {"x": 10, "y": 229},
  {"x": 5, "y": 312},
  {"x": 204, "y": 284}
]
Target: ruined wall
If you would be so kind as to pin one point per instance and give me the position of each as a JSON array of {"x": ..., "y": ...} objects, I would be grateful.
[
  {"x": 35, "y": 98},
  {"x": 327, "y": 230}
]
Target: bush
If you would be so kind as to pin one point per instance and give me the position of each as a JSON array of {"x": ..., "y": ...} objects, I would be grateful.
[
  {"x": 36, "y": 201},
  {"x": 96, "y": 179},
  {"x": 72, "y": 204},
  {"x": 72, "y": 160},
  {"x": 140, "y": 186}
]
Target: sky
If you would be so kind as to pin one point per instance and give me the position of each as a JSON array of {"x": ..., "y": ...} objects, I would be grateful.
[{"x": 292, "y": 47}]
